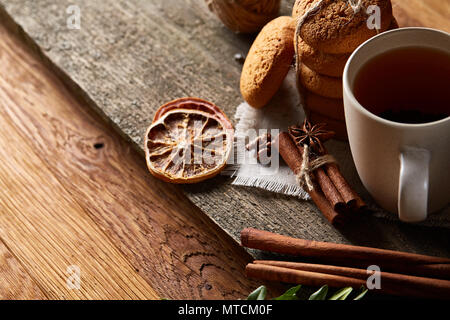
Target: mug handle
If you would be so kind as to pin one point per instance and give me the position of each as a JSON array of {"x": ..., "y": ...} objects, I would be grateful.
[{"x": 413, "y": 184}]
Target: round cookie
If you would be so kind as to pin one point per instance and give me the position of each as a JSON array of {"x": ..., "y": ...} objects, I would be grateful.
[
  {"x": 336, "y": 28},
  {"x": 324, "y": 63},
  {"x": 301, "y": 7},
  {"x": 268, "y": 61},
  {"x": 331, "y": 108},
  {"x": 324, "y": 86},
  {"x": 327, "y": 63}
]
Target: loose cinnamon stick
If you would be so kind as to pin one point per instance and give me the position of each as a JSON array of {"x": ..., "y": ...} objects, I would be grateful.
[
  {"x": 292, "y": 156},
  {"x": 388, "y": 278},
  {"x": 439, "y": 271},
  {"x": 317, "y": 275},
  {"x": 314, "y": 279},
  {"x": 321, "y": 268},
  {"x": 401, "y": 262}
]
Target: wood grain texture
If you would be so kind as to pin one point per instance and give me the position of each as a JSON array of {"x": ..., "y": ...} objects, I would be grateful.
[
  {"x": 16, "y": 283},
  {"x": 53, "y": 235},
  {"x": 131, "y": 56},
  {"x": 76, "y": 193},
  {"x": 427, "y": 13},
  {"x": 48, "y": 231}
]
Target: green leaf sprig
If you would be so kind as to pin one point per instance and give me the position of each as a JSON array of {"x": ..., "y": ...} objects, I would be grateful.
[
  {"x": 321, "y": 294},
  {"x": 258, "y": 294}
]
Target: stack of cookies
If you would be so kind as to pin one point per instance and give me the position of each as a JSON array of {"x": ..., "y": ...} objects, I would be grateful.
[
  {"x": 321, "y": 35},
  {"x": 329, "y": 31}
]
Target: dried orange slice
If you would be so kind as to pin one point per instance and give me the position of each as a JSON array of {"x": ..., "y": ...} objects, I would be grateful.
[{"x": 190, "y": 140}]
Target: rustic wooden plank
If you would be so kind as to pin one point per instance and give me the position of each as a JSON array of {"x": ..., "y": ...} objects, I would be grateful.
[
  {"x": 131, "y": 56},
  {"x": 49, "y": 232},
  {"x": 428, "y": 13},
  {"x": 40, "y": 222},
  {"x": 166, "y": 239},
  {"x": 16, "y": 283}
]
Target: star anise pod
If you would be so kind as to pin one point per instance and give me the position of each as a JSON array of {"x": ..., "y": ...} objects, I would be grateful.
[{"x": 311, "y": 135}]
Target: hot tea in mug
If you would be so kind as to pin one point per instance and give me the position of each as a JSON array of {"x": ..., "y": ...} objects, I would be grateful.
[
  {"x": 397, "y": 108},
  {"x": 407, "y": 85}
]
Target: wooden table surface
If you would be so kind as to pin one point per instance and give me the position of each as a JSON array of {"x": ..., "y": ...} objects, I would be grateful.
[{"x": 75, "y": 192}]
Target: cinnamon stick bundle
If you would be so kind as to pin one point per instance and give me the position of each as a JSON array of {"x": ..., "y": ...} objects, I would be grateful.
[
  {"x": 334, "y": 187},
  {"x": 328, "y": 188},
  {"x": 350, "y": 197},
  {"x": 292, "y": 156},
  {"x": 333, "y": 276},
  {"x": 396, "y": 261}
]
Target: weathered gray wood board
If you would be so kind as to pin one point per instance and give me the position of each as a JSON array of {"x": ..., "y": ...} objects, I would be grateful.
[{"x": 131, "y": 56}]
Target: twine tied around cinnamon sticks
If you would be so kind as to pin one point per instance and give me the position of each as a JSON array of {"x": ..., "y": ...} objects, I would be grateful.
[
  {"x": 317, "y": 171},
  {"x": 309, "y": 166}
]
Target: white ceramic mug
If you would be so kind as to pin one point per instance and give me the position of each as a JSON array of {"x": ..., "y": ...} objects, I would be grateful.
[{"x": 405, "y": 167}]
